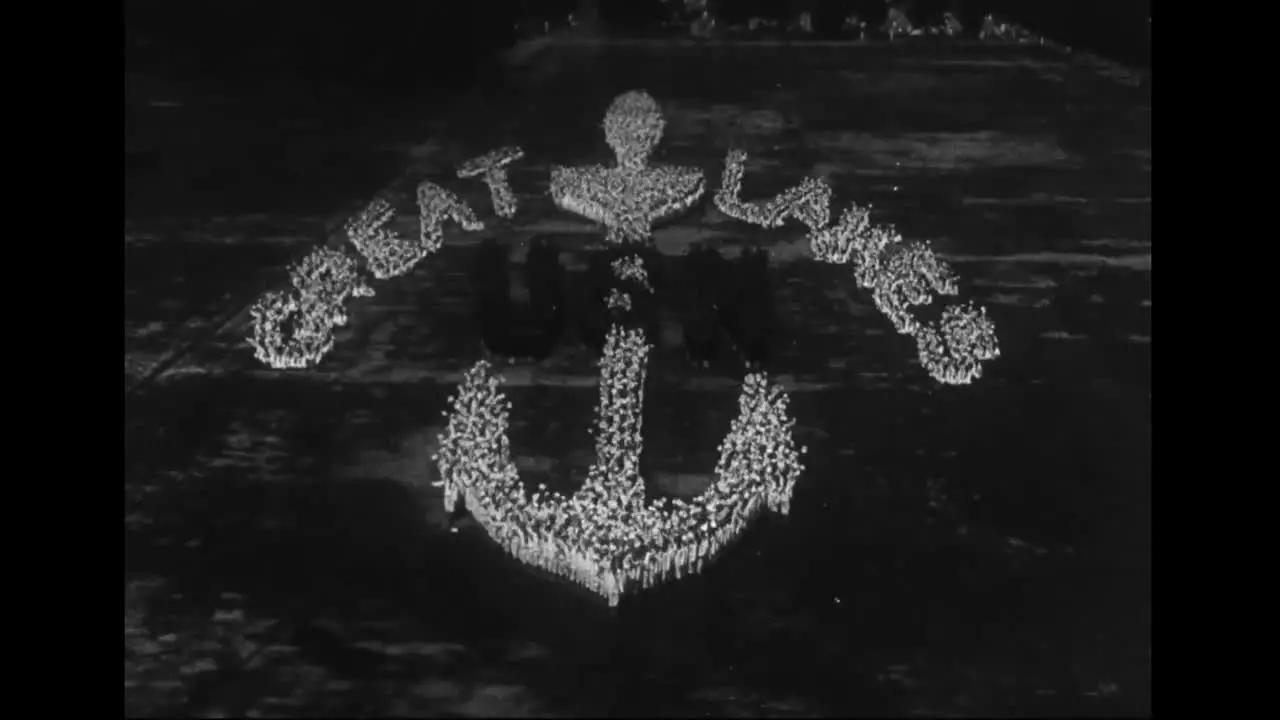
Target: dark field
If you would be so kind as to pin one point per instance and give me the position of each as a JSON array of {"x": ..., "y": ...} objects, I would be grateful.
[{"x": 983, "y": 549}]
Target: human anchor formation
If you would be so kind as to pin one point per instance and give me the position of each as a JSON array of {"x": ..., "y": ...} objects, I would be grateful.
[{"x": 606, "y": 536}]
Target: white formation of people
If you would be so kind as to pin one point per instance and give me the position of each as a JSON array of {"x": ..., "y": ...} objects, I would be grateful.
[
  {"x": 631, "y": 269},
  {"x": 315, "y": 302},
  {"x": 995, "y": 29},
  {"x": 606, "y": 536},
  {"x": 899, "y": 274},
  {"x": 629, "y": 197},
  {"x": 618, "y": 300}
]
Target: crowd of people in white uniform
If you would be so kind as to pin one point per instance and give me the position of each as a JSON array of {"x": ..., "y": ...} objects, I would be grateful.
[
  {"x": 628, "y": 198},
  {"x": 315, "y": 301},
  {"x": 900, "y": 274},
  {"x": 606, "y": 536}
]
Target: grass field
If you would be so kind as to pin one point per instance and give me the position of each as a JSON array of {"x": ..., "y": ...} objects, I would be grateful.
[
  {"x": 222, "y": 189},
  {"x": 951, "y": 550}
]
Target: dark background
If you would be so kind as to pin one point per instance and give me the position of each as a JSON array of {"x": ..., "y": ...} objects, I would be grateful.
[
  {"x": 388, "y": 46},
  {"x": 395, "y": 46}
]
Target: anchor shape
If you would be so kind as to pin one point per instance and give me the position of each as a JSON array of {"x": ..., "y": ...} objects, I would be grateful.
[{"x": 605, "y": 536}]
